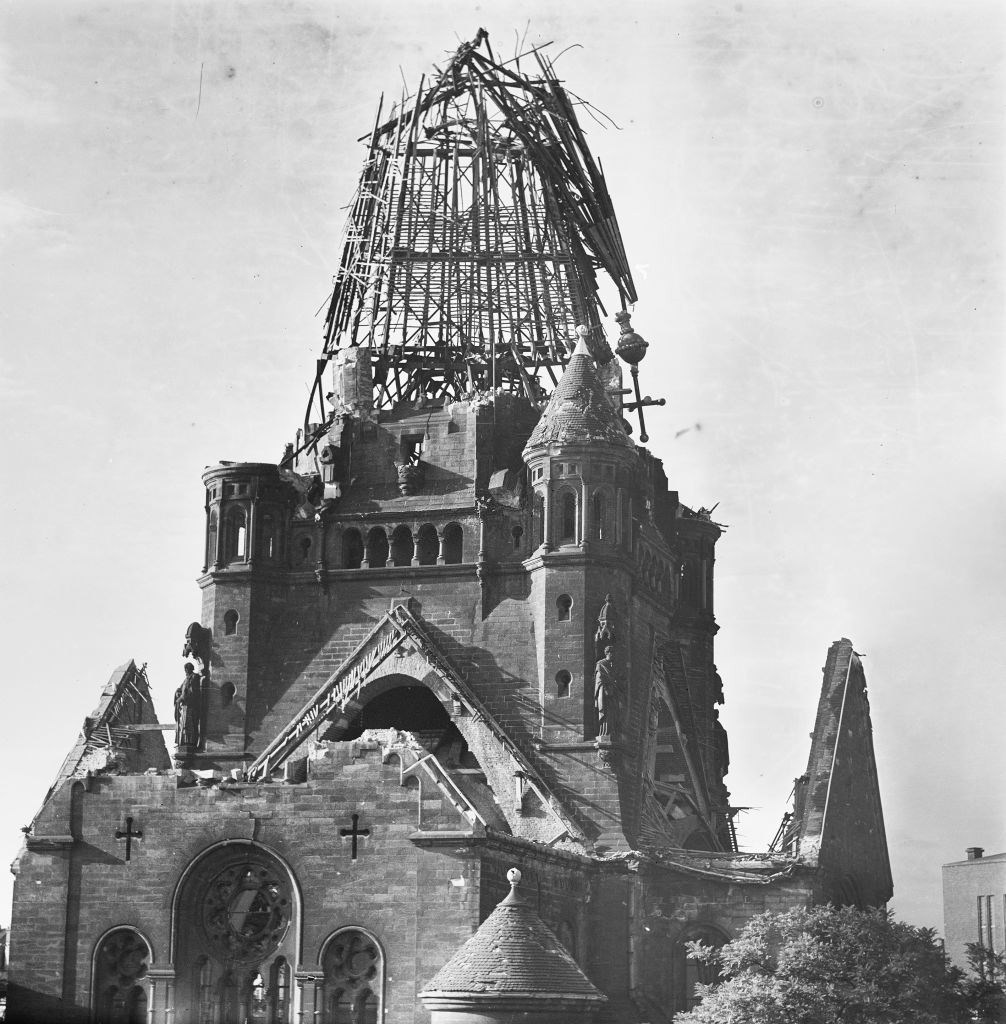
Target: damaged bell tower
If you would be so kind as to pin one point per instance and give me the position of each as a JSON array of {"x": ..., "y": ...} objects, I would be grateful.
[{"x": 463, "y": 623}]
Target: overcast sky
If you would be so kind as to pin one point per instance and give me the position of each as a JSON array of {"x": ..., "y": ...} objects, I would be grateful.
[{"x": 810, "y": 196}]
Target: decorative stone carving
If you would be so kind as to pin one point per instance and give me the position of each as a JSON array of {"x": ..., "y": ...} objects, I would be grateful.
[
  {"x": 606, "y": 628},
  {"x": 197, "y": 645},
  {"x": 410, "y": 477},
  {"x": 187, "y": 706},
  {"x": 245, "y": 913},
  {"x": 606, "y": 695}
]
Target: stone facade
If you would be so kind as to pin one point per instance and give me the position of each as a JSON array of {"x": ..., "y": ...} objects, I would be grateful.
[
  {"x": 420, "y": 670},
  {"x": 454, "y": 631}
]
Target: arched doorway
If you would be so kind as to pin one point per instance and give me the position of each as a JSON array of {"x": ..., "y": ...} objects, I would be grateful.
[{"x": 236, "y": 920}]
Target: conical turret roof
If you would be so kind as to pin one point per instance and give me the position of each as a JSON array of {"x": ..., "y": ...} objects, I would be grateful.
[
  {"x": 579, "y": 411},
  {"x": 512, "y": 956}
]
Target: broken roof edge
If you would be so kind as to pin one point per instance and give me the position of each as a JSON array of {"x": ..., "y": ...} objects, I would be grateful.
[
  {"x": 843, "y": 705},
  {"x": 733, "y": 868},
  {"x": 126, "y": 676}
]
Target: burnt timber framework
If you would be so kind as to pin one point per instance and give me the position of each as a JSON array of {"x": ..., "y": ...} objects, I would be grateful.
[{"x": 475, "y": 236}]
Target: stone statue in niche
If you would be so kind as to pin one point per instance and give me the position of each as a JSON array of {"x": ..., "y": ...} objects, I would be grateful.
[
  {"x": 606, "y": 695},
  {"x": 605, "y": 635},
  {"x": 187, "y": 703}
]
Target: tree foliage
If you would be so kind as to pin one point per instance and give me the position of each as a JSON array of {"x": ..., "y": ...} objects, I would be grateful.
[
  {"x": 828, "y": 965},
  {"x": 985, "y": 986}
]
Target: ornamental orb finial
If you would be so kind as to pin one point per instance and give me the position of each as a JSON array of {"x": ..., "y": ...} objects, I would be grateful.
[
  {"x": 513, "y": 876},
  {"x": 631, "y": 347}
]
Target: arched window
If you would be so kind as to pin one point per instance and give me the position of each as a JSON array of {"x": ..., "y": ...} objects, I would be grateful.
[
  {"x": 562, "y": 681},
  {"x": 567, "y": 526},
  {"x": 256, "y": 999},
  {"x": 563, "y": 607},
  {"x": 235, "y": 537},
  {"x": 352, "y": 549},
  {"x": 121, "y": 962},
  {"x": 377, "y": 548},
  {"x": 427, "y": 545},
  {"x": 517, "y": 533},
  {"x": 401, "y": 546},
  {"x": 211, "y": 538},
  {"x": 206, "y": 993},
  {"x": 279, "y": 991},
  {"x": 353, "y": 969},
  {"x": 267, "y": 537},
  {"x": 230, "y": 622},
  {"x": 304, "y": 549},
  {"x": 453, "y": 545},
  {"x": 236, "y": 915},
  {"x": 597, "y": 524},
  {"x": 539, "y": 519},
  {"x": 688, "y": 972},
  {"x": 227, "y": 692}
]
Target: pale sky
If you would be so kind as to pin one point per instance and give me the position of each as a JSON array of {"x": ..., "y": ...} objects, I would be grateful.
[{"x": 810, "y": 196}]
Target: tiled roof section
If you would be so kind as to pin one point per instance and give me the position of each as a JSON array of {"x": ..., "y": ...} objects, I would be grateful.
[
  {"x": 579, "y": 411},
  {"x": 513, "y": 954}
]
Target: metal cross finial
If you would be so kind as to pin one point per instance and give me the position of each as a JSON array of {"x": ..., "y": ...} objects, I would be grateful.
[{"x": 129, "y": 835}]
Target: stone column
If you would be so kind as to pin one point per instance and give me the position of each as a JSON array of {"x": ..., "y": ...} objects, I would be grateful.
[
  {"x": 440, "y": 554},
  {"x": 415, "y": 543},
  {"x": 252, "y": 530}
]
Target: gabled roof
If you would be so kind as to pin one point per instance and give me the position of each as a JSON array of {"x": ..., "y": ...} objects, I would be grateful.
[
  {"x": 512, "y": 955},
  {"x": 579, "y": 411}
]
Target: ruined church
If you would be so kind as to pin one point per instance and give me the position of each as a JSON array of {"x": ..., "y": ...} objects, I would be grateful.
[{"x": 452, "y": 688}]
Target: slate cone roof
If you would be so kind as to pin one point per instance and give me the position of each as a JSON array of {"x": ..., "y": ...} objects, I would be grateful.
[
  {"x": 513, "y": 955},
  {"x": 579, "y": 411}
]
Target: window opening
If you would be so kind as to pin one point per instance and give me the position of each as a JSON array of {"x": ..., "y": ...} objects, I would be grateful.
[
  {"x": 280, "y": 991},
  {"x": 517, "y": 533},
  {"x": 230, "y": 622},
  {"x": 568, "y": 517},
  {"x": 377, "y": 548},
  {"x": 427, "y": 545},
  {"x": 401, "y": 546},
  {"x": 453, "y": 543},
  {"x": 598, "y": 524},
  {"x": 354, "y": 978},
  {"x": 412, "y": 448},
  {"x": 563, "y": 607},
  {"x": 352, "y": 549},
  {"x": 305, "y": 548},
  {"x": 562, "y": 681}
]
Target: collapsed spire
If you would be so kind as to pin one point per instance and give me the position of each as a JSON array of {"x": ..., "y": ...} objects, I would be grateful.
[{"x": 474, "y": 240}]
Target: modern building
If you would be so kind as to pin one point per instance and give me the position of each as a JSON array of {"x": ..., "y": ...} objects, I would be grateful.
[
  {"x": 463, "y": 625},
  {"x": 974, "y": 904}
]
